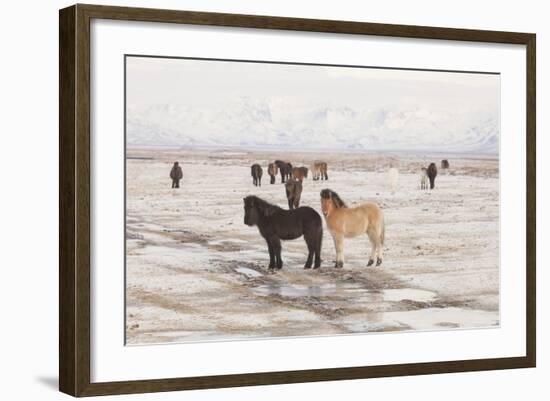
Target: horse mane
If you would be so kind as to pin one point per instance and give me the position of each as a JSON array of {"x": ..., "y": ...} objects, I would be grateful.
[
  {"x": 265, "y": 208},
  {"x": 330, "y": 194}
]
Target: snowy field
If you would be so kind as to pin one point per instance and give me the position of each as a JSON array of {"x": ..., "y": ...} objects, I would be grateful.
[{"x": 196, "y": 272}]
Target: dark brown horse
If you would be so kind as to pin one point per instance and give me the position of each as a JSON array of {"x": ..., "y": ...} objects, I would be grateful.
[
  {"x": 176, "y": 174},
  {"x": 432, "y": 173},
  {"x": 299, "y": 173},
  {"x": 444, "y": 164},
  {"x": 285, "y": 168},
  {"x": 272, "y": 171},
  {"x": 276, "y": 224},
  {"x": 293, "y": 193},
  {"x": 256, "y": 171}
]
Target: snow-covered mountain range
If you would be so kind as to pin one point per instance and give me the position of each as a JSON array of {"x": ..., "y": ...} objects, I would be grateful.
[{"x": 263, "y": 123}]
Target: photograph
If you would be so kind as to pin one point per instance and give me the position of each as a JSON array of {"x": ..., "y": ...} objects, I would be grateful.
[{"x": 268, "y": 199}]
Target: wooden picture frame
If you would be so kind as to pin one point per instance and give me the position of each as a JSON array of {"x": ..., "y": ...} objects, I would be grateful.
[{"x": 75, "y": 197}]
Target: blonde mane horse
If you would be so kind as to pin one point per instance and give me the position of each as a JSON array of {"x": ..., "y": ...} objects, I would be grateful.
[
  {"x": 319, "y": 170},
  {"x": 348, "y": 222}
]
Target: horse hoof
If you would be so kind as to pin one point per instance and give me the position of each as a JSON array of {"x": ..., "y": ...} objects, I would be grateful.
[
  {"x": 370, "y": 262},
  {"x": 339, "y": 265},
  {"x": 378, "y": 262},
  {"x": 307, "y": 267}
]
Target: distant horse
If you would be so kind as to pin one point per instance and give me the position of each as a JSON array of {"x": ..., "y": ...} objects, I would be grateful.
[
  {"x": 432, "y": 173},
  {"x": 445, "y": 166},
  {"x": 285, "y": 168},
  {"x": 299, "y": 173},
  {"x": 272, "y": 171},
  {"x": 319, "y": 170},
  {"x": 424, "y": 178},
  {"x": 293, "y": 193},
  {"x": 256, "y": 171},
  {"x": 276, "y": 224},
  {"x": 176, "y": 174},
  {"x": 344, "y": 222},
  {"x": 393, "y": 178}
]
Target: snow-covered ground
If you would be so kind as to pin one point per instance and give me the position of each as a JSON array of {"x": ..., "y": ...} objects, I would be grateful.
[{"x": 196, "y": 272}]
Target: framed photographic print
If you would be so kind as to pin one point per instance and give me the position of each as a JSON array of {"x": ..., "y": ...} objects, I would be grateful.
[{"x": 250, "y": 200}]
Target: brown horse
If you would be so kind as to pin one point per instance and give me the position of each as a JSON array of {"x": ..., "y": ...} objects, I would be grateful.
[
  {"x": 293, "y": 193},
  {"x": 256, "y": 171},
  {"x": 176, "y": 174},
  {"x": 285, "y": 168},
  {"x": 319, "y": 170},
  {"x": 272, "y": 170},
  {"x": 276, "y": 224},
  {"x": 423, "y": 178},
  {"x": 299, "y": 173},
  {"x": 347, "y": 222},
  {"x": 444, "y": 164},
  {"x": 432, "y": 173}
]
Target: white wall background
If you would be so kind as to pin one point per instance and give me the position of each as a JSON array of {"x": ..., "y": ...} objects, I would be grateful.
[{"x": 28, "y": 197}]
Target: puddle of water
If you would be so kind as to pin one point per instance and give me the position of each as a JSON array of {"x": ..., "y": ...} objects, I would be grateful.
[
  {"x": 295, "y": 291},
  {"x": 248, "y": 272},
  {"x": 344, "y": 290}
]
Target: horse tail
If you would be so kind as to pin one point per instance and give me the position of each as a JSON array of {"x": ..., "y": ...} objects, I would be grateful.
[
  {"x": 383, "y": 234},
  {"x": 319, "y": 245}
]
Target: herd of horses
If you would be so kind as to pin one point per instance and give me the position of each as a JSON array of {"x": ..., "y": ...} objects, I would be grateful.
[
  {"x": 276, "y": 224},
  {"x": 287, "y": 171}
]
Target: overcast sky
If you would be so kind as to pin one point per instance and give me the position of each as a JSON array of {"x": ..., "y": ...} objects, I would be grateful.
[{"x": 217, "y": 88}]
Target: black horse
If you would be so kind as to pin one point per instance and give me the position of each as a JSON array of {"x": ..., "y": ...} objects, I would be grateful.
[
  {"x": 276, "y": 224},
  {"x": 256, "y": 171},
  {"x": 285, "y": 168},
  {"x": 432, "y": 173}
]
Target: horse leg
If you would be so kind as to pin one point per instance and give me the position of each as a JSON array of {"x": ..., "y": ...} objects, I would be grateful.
[
  {"x": 311, "y": 236},
  {"x": 326, "y": 176},
  {"x": 276, "y": 243},
  {"x": 310, "y": 250},
  {"x": 339, "y": 245},
  {"x": 318, "y": 243},
  {"x": 379, "y": 255},
  {"x": 271, "y": 256},
  {"x": 374, "y": 239}
]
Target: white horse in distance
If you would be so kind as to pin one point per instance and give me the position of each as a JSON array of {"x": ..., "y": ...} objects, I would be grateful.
[{"x": 393, "y": 179}]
